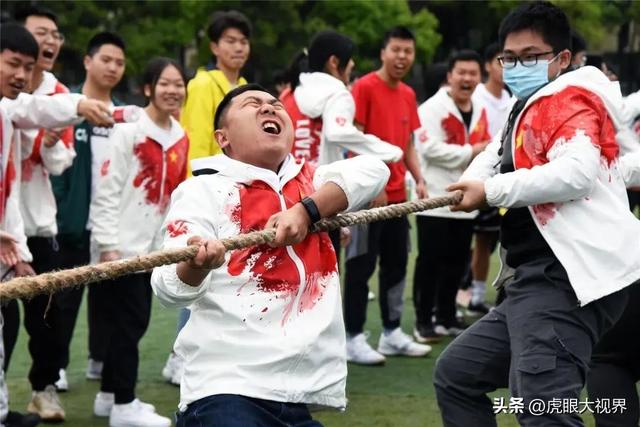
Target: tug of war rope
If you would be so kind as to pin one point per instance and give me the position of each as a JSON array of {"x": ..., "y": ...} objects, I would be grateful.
[{"x": 50, "y": 283}]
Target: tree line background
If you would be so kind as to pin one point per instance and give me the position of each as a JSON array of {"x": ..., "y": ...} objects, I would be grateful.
[{"x": 282, "y": 28}]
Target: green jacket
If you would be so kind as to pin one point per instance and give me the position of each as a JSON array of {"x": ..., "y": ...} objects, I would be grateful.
[{"x": 72, "y": 189}]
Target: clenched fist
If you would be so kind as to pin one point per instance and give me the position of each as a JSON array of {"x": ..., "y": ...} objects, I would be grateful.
[
  {"x": 96, "y": 112},
  {"x": 210, "y": 256},
  {"x": 9, "y": 255},
  {"x": 291, "y": 226}
]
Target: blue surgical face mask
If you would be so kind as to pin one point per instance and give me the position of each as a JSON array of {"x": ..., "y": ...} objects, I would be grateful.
[{"x": 523, "y": 81}]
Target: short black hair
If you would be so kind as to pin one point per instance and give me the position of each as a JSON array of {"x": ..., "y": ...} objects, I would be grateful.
[
  {"x": 223, "y": 20},
  {"x": 578, "y": 43},
  {"x": 33, "y": 10},
  {"x": 541, "y": 17},
  {"x": 16, "y": 38},
  {"x": 491, "y": 51},
  {"x": 154, "y": 69},
  {"x": 103, "y": 38},
  {"x": 326, "y": 44},
  {"x": 464, "y": 55},
  {"x": 398, "y": 32},
  {"x": 226, "y": 101}
]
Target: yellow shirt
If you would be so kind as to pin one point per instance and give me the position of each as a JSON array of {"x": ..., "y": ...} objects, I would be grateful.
[{"x": 204, "y": 93}]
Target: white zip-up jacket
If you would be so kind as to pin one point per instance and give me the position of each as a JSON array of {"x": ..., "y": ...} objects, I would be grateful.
[
  {"x": 144, "y": 165},
  {"x": 268, "y": 323},
  {"x": 25, "y": 112},
  {"x": 37, "y": 202},
  {"x": 497, "y": 108},
  {"x": 322, "y": 95},
  {"x": 568, "y": 175},
  {"x": 10, "y": 218},
  {"x": 444, "y": 145}
]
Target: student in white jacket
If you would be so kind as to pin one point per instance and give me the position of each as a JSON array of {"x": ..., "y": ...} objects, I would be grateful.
[
  {"x": 19, "y": 52},
  {"x": 322, "y": 96},
  {"x": 45, "y": 152},
  {"x": 568, "y": 231},
  {"x": 266, "y": 337},
  {"x": 454, "y": 130},
  {"x": 322, "y": 93},
  {"x": 147, "y": 160}
]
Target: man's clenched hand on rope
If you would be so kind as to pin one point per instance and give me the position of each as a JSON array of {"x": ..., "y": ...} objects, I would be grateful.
[{"x": 209, "y": 257}]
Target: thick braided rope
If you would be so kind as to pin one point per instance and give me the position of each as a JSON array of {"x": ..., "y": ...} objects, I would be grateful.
[{"x": 49, "y": 283}]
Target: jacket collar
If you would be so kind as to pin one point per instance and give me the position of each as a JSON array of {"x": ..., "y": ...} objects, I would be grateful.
[
  {"x": 48, "y": 84},
  {"x": 164, "y": 137},
  {"x": 591, "y": 79},
  {"x": 446, "y": 102},
  {"x": 245, "y": 173}
]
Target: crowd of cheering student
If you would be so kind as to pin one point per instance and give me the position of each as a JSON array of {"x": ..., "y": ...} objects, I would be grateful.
[{"x": 524, "y": 130}]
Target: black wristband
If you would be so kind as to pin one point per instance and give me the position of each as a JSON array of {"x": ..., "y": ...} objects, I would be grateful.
[{"x": 311, "y": 208}]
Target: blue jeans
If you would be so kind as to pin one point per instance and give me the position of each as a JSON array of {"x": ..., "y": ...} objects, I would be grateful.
[{"x": 230, "y": 410}]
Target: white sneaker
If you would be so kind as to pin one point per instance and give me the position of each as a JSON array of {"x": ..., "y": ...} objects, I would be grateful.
[
  {"x": 397, "y": 343},
  {"x": 441, "y": 330},
  {"x": 136, "y": 414},
  {"x": 47, "y": 405},
  {"x": 104, "y": 402},
  {"x": 371, "y": 296},
  {"x": 62, "y": 384},
  {"x": 359, "y": 351},
  {"x": 173, "y": 369},
  {"x": 452, "y": 331},
  {"x": 94, "y": 370}
]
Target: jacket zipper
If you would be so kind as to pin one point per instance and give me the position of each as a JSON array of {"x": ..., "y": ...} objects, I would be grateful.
[
  {"x": 296, "y": 260},
  {"x": 303, "y": 283}
]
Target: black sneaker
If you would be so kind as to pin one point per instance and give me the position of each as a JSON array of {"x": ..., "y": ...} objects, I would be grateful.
[
  {"x": 16, "y": 419},
  {"x": 424, "y": 334},
  {"x": 478, "y": 309}
]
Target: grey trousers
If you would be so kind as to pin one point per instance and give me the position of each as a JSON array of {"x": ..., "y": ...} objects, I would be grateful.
[{"x": 537, "y": 342}]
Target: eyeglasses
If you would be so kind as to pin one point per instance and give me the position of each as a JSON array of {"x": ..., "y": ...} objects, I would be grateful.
[
  {"x": 528, "y": 60},
  {"x": 42, "y": 33}
]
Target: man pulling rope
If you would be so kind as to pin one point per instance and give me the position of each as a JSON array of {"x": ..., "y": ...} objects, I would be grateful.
[{"x": 30, "y": 286}]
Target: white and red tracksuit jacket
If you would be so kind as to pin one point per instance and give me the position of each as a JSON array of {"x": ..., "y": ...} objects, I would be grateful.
[
  {"x": 37, "y": 202},
  {"x": 307, "y": 130},
  {"x": 569, "y": 176},
  {"x": 25, "y": 112},
  {"x": 144, "y": 165},
  {"x": 322, "y": 110},
  {"x": 444, "y": 145},
  {"x": 267, "y": 323}
]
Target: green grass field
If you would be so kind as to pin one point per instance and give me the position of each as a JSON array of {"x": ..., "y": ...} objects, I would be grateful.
[{"x": 399, "y": 394}]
